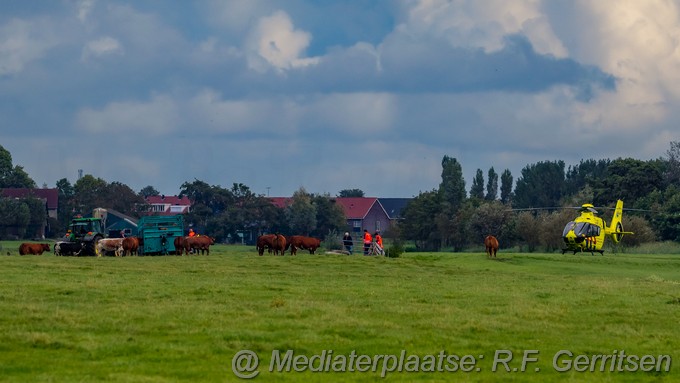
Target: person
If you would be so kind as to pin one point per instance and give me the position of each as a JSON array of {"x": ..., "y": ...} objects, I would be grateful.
[
  {"x": 379, "y": 243},
  {"x": 192, "y": 233},
  {"x": 348, "y": 242},
  {"x": 367, "y": 241},
  {"x": 69, "y": 235}
]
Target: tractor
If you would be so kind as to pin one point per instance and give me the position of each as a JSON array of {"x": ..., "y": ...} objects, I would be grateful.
[{"x": 87, "y": 232}]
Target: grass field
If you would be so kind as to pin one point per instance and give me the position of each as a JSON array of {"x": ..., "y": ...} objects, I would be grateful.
[{"x": 169, "y": 319}]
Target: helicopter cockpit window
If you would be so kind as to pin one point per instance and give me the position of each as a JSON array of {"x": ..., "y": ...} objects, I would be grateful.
[
  {"x": 585, "y": 229},
  {"x": 568, "y": 228}
]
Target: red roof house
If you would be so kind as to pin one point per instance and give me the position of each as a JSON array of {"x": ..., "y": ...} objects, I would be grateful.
[
  {"x": 360, "y": 212},
  {"x": 168, "y": 205}
]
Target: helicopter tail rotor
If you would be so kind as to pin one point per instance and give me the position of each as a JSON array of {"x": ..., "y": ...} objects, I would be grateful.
[{"x": 615, "y": 229}]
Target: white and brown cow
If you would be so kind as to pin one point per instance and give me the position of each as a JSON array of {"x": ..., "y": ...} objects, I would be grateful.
[{"x": 114, "y": 245}]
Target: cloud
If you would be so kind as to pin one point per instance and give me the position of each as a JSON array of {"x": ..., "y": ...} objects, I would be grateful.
[
  {"x": 481, "y": 24},
  {"x": 23, "y": 42},
  {"x": 83, "y": 9},
  {"x": 276, "y": 42},
  {"x": 244, "y": 91},
  {"x": 102, "y": 47},
  {"x": 145, "y": 119}
]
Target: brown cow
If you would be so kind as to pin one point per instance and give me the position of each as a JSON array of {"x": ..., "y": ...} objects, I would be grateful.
[
  {"x": 265, "y": 241},
  {"x": 130, "y": 246},
  {"x": 491, "y": 244},
  {"x": 279, "y": 244},
  {"x": 302, "y": 242},
  {"x": 199, "y": 243},
  {"x": 33, "y": 248},
  {"x": 179, "y": 245}
]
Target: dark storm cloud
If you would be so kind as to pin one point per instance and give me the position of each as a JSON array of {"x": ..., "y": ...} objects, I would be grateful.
[{"x": 435, "y": 66}]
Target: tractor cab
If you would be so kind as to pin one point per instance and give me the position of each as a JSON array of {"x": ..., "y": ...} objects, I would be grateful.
[{"x": 83, "y": 227}]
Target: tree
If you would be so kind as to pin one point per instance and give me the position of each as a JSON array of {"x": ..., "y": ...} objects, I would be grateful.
[
  {"x": 89, "y": 193},
  {"x": 666, "y": 217},
  {"x": 452, "y": 186},
  {"x": 122, "y": 198},
  {"x": 67, "y": 206},
  {"x": 629, "y": 179},
  {"x": 672, "y": 173},
  {"x": 586, "y": 173},
  {"x": 540, "y": 185},
  {"x": 206, "y": 202},
  {"x": 527, "y": 230},
  {"x": 490, "y": 218},
  {"x": 15, "y": 216},
  {"x": 329, "y": 216},
  {"x": 13, "y": 176},
  {"x": 452, "y": 197},
  {"x": 418, "y": 223},
  {"x": 37, "y": 216},
  {"x": 148, "y": 191},
  {"x": 301, "y": 213},
  {"x": 351, "y": 193},
  {"x": 492, "y": 185},
  {"x": 477, "y": 189},
  {"x": 506, "y": 186}
]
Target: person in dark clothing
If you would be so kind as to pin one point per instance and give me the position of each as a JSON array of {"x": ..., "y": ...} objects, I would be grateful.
[{"x": 348, "y": 242}]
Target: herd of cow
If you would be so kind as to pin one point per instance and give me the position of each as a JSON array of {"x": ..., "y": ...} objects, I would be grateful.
[
  {"x": 130, "y": 245},
  {"x": 278, "y": 244},
  {"x": 274, "y": 243},
  {"x": 119, "y": 246}
]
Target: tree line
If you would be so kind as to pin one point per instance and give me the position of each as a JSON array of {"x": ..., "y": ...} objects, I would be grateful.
[{"x": 447, "y": 217}]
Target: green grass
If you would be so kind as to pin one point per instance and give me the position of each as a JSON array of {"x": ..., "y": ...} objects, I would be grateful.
[{"x": 169, "y": 319}]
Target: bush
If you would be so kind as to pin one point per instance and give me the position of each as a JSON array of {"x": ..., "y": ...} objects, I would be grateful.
[{"x": 394, "y": 251}]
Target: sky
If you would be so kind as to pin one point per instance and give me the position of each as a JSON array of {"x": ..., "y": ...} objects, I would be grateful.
[{"x": 332, "y": 95}]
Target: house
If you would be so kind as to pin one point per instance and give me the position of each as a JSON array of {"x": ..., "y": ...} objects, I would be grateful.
[
  {"x": 49, "y": 196},
  {"x": 360, "y": 212},
  {"x": 116, "y": 222},
  {"x": 364, "y": 213},
  {"x": 167, "y": 205},
  {"x": 393, "y": 207}
]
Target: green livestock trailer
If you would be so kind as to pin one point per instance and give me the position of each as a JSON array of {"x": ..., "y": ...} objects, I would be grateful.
[{"x": 157, "y": 233}]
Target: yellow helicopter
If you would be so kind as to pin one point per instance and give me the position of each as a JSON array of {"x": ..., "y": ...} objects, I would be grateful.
[{"x": 587, "y": 232}]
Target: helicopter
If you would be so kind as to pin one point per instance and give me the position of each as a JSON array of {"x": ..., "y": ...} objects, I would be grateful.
[{"x": 587, "y": 232}]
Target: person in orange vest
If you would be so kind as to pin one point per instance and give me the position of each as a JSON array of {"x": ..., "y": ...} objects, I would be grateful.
[
  {"x": 191, "y": 233},
  {"x": 367, "y": 241},
  {"x": 379, "y": 243}
]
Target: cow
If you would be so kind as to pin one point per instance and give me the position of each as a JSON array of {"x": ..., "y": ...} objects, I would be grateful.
[
  {"x": 265, "y": 241},
  {"x": 179, "y": 245},
  {"x": 33, "y": 248},
  {"x": 198, "y": 243},
  {"x": 130, "y": 246},
  {"x": 68, "y": 248},
  {"x": 279, "y": 244},
  {"x": 105, "y": 245},
  {"x": 491, "y": 244},
  {"x": 303, "y": 242}
]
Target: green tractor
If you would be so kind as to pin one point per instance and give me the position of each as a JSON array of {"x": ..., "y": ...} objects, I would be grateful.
[{"x": 87, "y": 232}]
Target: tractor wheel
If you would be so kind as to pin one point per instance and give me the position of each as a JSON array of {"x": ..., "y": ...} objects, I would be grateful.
[{"x": 91, "y": 247}]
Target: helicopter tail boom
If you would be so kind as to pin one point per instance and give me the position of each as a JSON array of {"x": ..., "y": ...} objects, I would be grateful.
[{"x": 615, "y": 229}]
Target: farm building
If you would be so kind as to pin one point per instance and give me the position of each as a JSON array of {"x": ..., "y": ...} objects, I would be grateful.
[
  {"x": 167, "y": 205},
  {"x": 363, "y": 212}
]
